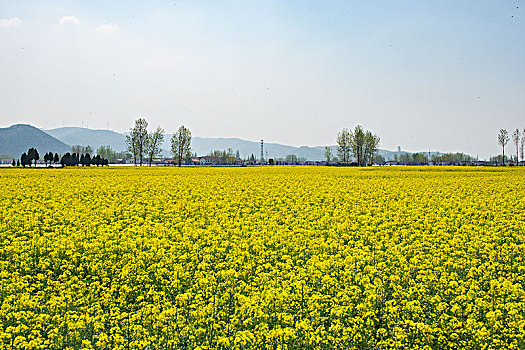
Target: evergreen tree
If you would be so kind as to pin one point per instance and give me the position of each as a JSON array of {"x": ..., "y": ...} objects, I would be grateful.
[
  {"x": 48, "y": 157},
  {"x": 32, "y": 155}
]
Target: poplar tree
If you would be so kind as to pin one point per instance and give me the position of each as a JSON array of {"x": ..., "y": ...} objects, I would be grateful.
[
  {"x": 154, "y": 144},
  {"x": 344, "y": 146},
  {"x": 370, "y": 147},
  {"x": 503, "y": 139},
  {"x": 357, "y": 144},
  {"x": 181, "y": 144},
  {"x": 137, "y": 140},
  {"x": 516, "y": 136},
  {"x": 328, "y": 154}
]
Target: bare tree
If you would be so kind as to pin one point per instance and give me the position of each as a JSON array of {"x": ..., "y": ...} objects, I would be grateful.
[
  {"x": 78, "y": 149},
  {"x": 522, "y": 146},
  {"x": 503, "y": 139},
  {"x": 516, "y": 136},
  {"x": 138, "y": 139},
  {"x": 357, "y": 144},
  {"x": 371, "y": 144},
  {"x": 230, "y": 156},
  {"x": 154, "y": 144},
  {"x": 181, "y": 144},
  {"x": 132, "y": 146},
  {"x": 343, "y": 149}
]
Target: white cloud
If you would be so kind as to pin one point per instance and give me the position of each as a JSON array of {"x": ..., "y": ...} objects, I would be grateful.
[
  {"x": 69, "y": 20},
  {"x": 10, "y": 22},
  {"x": 109, "y": 28}
]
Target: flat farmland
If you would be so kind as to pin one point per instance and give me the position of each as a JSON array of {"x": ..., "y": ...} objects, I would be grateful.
[{"x": 262, "y": 257}]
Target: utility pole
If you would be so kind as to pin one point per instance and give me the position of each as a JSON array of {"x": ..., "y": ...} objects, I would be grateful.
[{"x": 262, "y": 151}]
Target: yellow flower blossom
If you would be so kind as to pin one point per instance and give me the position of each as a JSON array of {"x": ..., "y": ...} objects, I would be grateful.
[{"x": 262, "y": 258}]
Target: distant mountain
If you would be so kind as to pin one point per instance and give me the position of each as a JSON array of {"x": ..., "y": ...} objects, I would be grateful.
[
  {"x": 18, "y": 138},
  {"x": 203, "y": 146},
  {"x": 200, "y": 145},
  {"x": 91, "y": 137}
]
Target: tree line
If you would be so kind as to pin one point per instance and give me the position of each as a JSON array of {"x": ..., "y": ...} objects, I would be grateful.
[
  {"x": 226, "y": 157},
  {"x": 105, "y": 152},
  {"x": 357, "y": 146},
  {"x": 68, "y": 159},
  {"x": 75, "y": 159},
  {"x": 144, "y": 145}
]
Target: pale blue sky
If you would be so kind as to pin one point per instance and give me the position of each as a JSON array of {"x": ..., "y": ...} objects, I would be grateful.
[{"x": 427, "y": 76}]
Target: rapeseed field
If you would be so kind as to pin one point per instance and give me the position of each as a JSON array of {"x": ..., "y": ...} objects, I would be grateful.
[{"x": 262, "y": 257}]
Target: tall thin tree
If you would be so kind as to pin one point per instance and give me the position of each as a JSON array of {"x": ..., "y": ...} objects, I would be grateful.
[
  {"x": 503, "y": 139},
  {"x": 154, "y": 144},
  {"x": 137, "y": 140},
  {"x": 181, "y": 144},
  {"x": 343, "y": 145},
  {"x": 328, "y": 154},
  {"x": 371, "y": 144},
  {"x": 522, "y": 146},
  {"x": 132, "y": 146},
  {"x": 357, "y": 144},
  {"x": 516, "y": 136}
]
